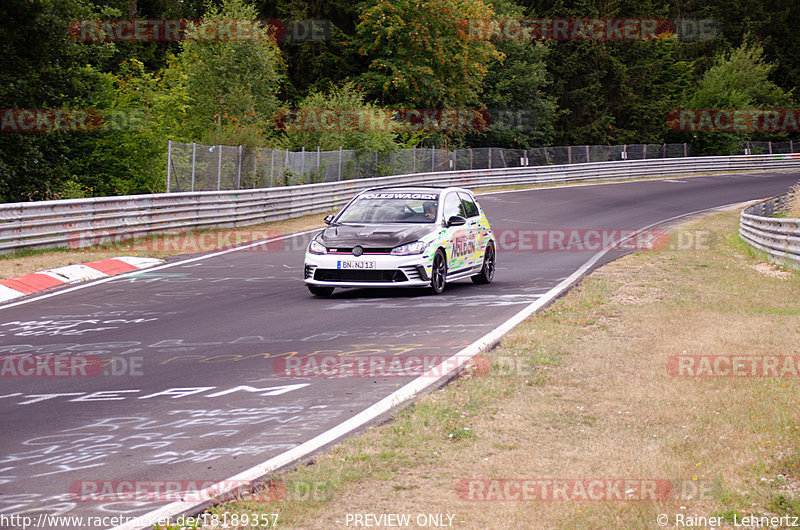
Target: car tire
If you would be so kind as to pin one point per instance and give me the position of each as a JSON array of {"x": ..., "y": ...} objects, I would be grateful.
[
  {"x": 489, "y": 262},
  {"x": 320, "y": 291},
  {"x": 439, "y": 272}
]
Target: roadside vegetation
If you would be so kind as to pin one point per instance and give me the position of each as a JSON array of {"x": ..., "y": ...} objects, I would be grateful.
[
  {"x": 590, "y": 395},
  {"x": 378, "y": 55}
]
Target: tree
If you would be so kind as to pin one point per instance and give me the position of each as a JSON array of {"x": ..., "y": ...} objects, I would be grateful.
[
  {"x": 232, "y": 83},
  {"x": 312, "y": 131},
  {"x": 315, "y": 41},
  {"x": 516, "y": 92},
  {"x": 421, "y": 54},
  {"x": 41, "y": 67},
  {"x": 738, "y": 80}
]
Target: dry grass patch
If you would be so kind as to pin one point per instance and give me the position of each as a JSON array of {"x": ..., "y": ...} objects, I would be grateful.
[{"x": 593, "y": 399}]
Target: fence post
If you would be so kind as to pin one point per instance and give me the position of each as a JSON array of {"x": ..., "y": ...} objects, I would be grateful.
[
  {"x": 664, "y": 151},
  {"x": 194, "y": 159},
  {"x": 376, "y": 172},
  {"x": 685, "y": 152},
  {"x": 219, "y": 167},
  {"x": 318, "y": 175},
  {"x": 340, "y": 164},
  {"x": 239, "y": 169},
  {"x": 286, "y": 165},
  {"x": 770, "y": 147},
  {"x": 414, "y": 160},
  {"x": 587, "y": 152},
  {"x": 644, "y": 152},
  {"x": 433, "y": 158},
  {"x": 569, "y": 154},
  {"x": 271, "y": 168},
  {"x": 470, "y": 158},
  {"x": 169, "y": 162},
  {"x": 303, "y": 162},
  {"x": 791, "y": 146},
  {"x": 490, "y": 158},
  {"x": 256, "y": 158}
]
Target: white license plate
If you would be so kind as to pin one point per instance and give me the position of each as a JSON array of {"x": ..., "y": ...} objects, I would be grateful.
[{"x": 356, "y": 265}]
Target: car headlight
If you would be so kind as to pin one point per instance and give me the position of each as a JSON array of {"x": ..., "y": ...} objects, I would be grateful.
[
  {"x": 315, "y": 247},
  {"x": 417, "y": 247}
]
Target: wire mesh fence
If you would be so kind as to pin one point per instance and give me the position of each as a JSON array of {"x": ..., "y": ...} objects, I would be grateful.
[{"x": 197, "y": 167}]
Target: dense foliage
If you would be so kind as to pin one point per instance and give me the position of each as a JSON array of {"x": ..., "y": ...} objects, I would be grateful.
[{"x": 377, "y": 56}]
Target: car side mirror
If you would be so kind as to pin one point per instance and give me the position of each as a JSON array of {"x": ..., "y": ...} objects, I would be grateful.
[
  {"x": 328, "y": 219},
  {"x": 456, "y": 220}
]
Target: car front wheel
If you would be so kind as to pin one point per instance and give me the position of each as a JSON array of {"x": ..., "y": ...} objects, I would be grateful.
[
  {"x": 487, "y": 272},
  {"x": 439, "y": 272},
  {"x": 320, "y": 291}
]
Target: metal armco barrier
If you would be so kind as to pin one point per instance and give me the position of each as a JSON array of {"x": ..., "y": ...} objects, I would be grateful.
[
  {"x": 779, "y": 237},
  {"x": 84, "y": 222}
]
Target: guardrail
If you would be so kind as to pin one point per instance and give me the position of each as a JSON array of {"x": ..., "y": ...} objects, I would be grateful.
[
  {"x": 779, "y": 237},
  {"x": 84, "y": 222}
]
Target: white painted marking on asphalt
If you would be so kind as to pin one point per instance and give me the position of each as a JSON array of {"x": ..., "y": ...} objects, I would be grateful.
[
  {"x": 140, "y": 262},
  {"x": 7, "y": 293},
  {"x": 75, "y": 273}
]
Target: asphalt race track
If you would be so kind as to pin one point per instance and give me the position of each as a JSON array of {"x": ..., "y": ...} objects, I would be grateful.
[{"x": 197, "y": 390}]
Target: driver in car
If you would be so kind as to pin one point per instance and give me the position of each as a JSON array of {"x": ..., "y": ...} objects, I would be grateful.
[{"x": 429, "y": 207}]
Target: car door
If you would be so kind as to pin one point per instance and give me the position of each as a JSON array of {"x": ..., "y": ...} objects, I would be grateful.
[
  {"x": 475, "y": 231},
  {"x": 457, "y": 236}
]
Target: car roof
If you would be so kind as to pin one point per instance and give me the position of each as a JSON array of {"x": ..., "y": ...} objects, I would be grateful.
[{"x": 414, "y": 189}]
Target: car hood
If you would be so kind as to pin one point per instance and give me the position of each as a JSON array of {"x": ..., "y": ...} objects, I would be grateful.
[{"x": 374, "y": 236}]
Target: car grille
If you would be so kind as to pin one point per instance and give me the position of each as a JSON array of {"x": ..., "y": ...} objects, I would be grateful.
[
  {"x": 339, "y": 275},
  {"x": 349, "y": 250},
  {"x": 413, "y": 273}
]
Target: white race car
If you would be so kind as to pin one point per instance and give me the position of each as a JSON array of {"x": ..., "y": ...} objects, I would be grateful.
[{"x": 402, "y": 237}]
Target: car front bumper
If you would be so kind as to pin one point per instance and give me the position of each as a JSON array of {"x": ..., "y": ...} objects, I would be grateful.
[{"x": 326, "y": 270}]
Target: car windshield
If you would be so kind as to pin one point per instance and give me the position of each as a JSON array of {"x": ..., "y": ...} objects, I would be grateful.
[{"x": 391, "y": 207}]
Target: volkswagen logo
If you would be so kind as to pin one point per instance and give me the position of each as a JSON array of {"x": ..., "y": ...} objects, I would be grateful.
[{"x": 357, "y": 250}]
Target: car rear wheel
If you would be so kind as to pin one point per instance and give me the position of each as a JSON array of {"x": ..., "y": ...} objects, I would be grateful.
[
  {"x": 439, "y": 272},
  {"x": 487, "y": 272},
  {"x": 320, "y": 291}
]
